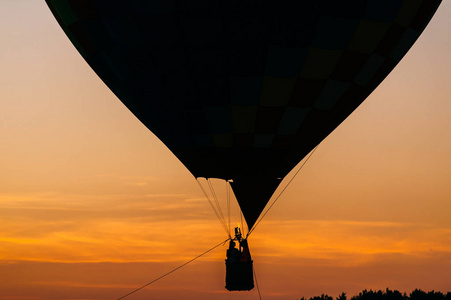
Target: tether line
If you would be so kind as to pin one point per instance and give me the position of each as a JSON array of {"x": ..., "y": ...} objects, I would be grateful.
[
  {"x": 222, "y": 243},
  {"x": 256, "y": 283},
  {"x": 275, "y": 200}
]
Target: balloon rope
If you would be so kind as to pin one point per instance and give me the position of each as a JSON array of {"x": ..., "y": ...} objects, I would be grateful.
[
  {"x": 241, "y": 218},
  {"x": 218, "y": 206},
  {"x": 213, "y": 207},
  {"x": 277, "y": 198},
  {"x": 256, "y": 283},
  {"x": 222, "y": 243},
  {"x": 228, "y": 202}
]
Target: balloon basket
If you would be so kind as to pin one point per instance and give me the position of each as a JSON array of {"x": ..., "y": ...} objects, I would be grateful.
[{"x": 239, "y": 276}]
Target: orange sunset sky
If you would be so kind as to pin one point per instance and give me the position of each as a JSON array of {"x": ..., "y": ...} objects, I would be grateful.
[{"x": 93, "y": 205}]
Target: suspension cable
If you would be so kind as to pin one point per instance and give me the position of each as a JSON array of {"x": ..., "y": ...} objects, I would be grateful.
[
  {"x": 241, "y": 218},
  {"x": 222, "y": 243},
  {"x": 277, "y": 198},
  {"x": 214, "y": 210},
  {"x": 228, "y": 202},
  {"x": 218, "y": 206}
]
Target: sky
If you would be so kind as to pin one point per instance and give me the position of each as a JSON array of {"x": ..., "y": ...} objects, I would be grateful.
[{"x": 93, "y": 205}]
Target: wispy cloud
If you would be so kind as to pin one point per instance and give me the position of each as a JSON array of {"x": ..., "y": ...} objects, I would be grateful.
[
  {"x": 348, "y": 242},
  {"x": 152, "y": 227}
]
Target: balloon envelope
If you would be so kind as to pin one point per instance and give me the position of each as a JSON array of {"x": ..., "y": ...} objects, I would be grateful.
[{"x": 242, "y": 89}]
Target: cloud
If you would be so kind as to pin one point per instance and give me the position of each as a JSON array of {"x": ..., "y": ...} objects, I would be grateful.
[
  {"x": 59, "y": 207},
  {"x": 99, "y": 228},
  {"x": 351, "y": 243}
]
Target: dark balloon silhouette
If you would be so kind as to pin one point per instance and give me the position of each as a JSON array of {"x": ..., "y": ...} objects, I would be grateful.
[{"x": 242, "y": 90}]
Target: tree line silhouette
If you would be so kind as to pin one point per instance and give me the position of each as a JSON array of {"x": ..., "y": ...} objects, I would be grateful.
[{"x": 388, "y": 294}]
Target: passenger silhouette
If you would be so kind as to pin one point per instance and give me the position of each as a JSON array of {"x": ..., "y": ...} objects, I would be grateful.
[
  {"x": 233, "y": 254},
  {"x": 245, "y": 254}
]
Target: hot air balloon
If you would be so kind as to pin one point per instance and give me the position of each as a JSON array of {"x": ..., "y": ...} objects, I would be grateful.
[{"x": 242, "y": 90}]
